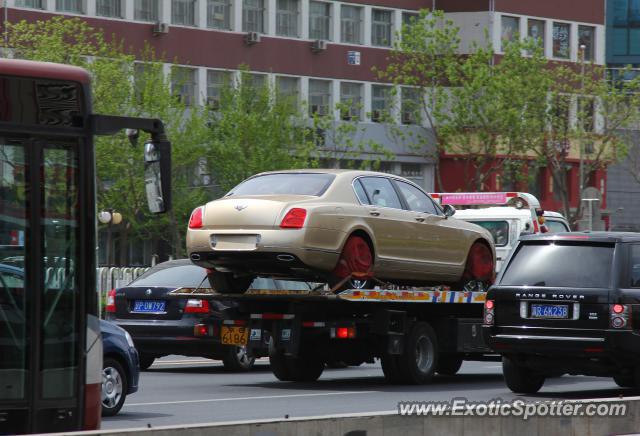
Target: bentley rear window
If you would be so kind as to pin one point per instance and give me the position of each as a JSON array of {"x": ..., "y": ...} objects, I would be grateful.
[
  {"x": 560, "y": 264},
  {"x": 285, "y": 184}
]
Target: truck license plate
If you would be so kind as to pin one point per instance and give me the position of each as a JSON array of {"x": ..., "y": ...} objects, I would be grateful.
[
  {"x": 550, "y": 311},
  {"x": 234, "y": 335}
]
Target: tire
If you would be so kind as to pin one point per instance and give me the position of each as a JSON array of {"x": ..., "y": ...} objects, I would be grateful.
[
  {"x": 419, "y": 360},
  {"x": 238, "y": 360},
  {"x": 227, "y": 283},
  {"x": 114, "y": 387},
  {"x": 390, "y": 369},
  {"x": 479, "y": 271},
  {"x": 146, "y": 361},
  {"x": 520, "y": 379},
  {"x": 356, "y": 257},
  {"x": 625, "y": 380},
  {"x": 278, "y": 363},
  {"x": 448, "y": 364}
]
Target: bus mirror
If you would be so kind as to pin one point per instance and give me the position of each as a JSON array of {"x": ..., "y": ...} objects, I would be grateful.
[
  {"x": 157, "y": 175},
  {"x": 449, "y": 210}
]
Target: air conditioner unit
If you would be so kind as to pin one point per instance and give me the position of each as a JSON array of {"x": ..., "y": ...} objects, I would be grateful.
[
  {"x": 319, "y": 45},
  {"x": 160, "y": 28},
  {"x": 252, "y": 38}
]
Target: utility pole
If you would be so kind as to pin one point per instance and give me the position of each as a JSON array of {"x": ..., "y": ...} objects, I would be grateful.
[{"x": 580, "y": 115}]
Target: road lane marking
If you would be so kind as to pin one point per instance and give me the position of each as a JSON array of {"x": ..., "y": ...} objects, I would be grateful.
[{"x": 264, "y": 397}]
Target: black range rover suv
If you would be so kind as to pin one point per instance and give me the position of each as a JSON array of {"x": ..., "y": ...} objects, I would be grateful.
[{"x": 567, "y": 303}]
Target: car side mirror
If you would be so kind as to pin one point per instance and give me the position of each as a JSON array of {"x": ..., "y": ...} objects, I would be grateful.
[
  {"x": 157, "y": 175},
  {"x": 449, "y": 210}
]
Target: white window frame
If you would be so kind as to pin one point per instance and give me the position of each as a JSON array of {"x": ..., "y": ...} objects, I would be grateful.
[
  {"x": 289, "y": 16},
  {"x": 324, "y": 107},
  {"x": 184, "y": 12},
  {"x": 379, "y": 24},
  {"x": 352, "y": 99},
  {"x": 314, "y": 19},
  {"x": 355, "y": 23},
  {"x": 119, "y": 6},
  {"x": 149, "y": 11},
  {"x": 260, "y": 13},
  {"x": 227, "y": 6},
  {"x": 65, "y": 3}
]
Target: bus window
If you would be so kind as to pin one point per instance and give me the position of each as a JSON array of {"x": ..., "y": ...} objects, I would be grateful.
[
  {"x": 60, "y": 311},
  {"x": 14, "y": 363},
  {"x": 498, "y": 229}
]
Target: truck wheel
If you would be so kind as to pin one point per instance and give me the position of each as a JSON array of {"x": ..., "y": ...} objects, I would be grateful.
[
  {"x": 419, "y": 360},
  {"x": 519, "y": 379},
  {"x": 146, "y": 360},
  {"x": 448, "y": 364},
  {"x": 356, "y": 257},
  {"x": 624, "y": 380},
  {"x": 390, "y": 369},
  {"x": 226, "y": 283},
  {"x": 304, "y": 369},
  {"x": 238, "y": 359},
  {"x": 278, "y": 363}
]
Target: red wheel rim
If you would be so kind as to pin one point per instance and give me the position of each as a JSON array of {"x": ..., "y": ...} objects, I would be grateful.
[
  {"x": 480, "y": 263},
  {"x": 355, "y": 258}
]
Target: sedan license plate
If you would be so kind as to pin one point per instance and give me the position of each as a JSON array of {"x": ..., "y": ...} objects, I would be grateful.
[
  {"x": 234, "y": 335},
  {"x": 550, "y": 311},
  {"x": 149, "y": 306}
]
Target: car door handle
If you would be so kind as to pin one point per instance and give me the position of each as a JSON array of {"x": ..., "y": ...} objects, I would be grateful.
[
  {"x": 420, "y": 219},
  {"x": 374, "y": 213}
]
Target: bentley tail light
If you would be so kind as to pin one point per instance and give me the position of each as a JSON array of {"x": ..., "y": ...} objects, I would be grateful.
[
  {"x": 619, "y": 316},
  {"x": 489, "y": 316},
  {"x": 294, "y": 219},
  {"x": 195, "y": 222}
]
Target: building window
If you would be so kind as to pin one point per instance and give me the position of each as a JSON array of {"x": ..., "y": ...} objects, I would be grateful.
[
  {"x": 109, "y": 8},
  {"x": 183, "y": 84},
  {"x": 219, "y": 14},
  {"x": 510, "y": 30},
  {"x": 586, "y": 38},
  {"x": 183, "y": 12},
  {"x": 319, "y": 20},
  {"x": 351, "y": 99},
  {"x": 319, "y": 97},
  {"x": 535, "y": 31},
  {"x": 381, "y": 27},
  {"x": 287, "y": 18},
  {"x": 69, "y": 6},
  {"x": 410, "y": 106},
  {"x": 36, "y": 4},
  {"x": 409, "y": 18},
  {"x": 288, "y": 88},
  {"x": 146, "y": 10},
  {"x": 586, "y": 113},
  {"x": 380, "y": 102},
  {"x": 626, "y": 27},
  {"x": 216, "y": 82},
  {"x": 351, "y": 24},
  {"x": 141, "y": 75},
  {"x": 253, "y": 16},
  {"x": 561, "y": 40},
  {"x": 255, "y": 81}
]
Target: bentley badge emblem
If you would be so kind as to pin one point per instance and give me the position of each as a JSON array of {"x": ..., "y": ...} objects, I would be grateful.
[{"x": 240, "y": 206}]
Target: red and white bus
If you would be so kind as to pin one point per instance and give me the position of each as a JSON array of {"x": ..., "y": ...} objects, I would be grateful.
[{"x": 50, "y": 343}]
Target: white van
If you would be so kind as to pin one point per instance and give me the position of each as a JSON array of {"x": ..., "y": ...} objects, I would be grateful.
[{"x": 518, "y": 213}]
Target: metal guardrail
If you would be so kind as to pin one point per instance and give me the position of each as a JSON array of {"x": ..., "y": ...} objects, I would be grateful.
[{"x": 108, "y": 278}]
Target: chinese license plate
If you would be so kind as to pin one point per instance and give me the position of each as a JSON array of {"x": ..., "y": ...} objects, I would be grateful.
[
  {"x": 551, "y": 311},
  {"x": 148, "y": 306},
  {"x": 234, "y": 335}
]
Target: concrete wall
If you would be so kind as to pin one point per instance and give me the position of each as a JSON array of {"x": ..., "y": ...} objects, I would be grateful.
[{"x": 391, "y": 424}]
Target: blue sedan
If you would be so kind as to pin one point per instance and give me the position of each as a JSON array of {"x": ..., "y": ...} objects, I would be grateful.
[{"x": 120, "y": 367}]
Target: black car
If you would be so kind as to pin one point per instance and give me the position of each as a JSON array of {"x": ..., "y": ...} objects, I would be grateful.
[
  {"x": 161, "y": 326},
  {"x": 120, "y": 371},
  {"x": 567, "y": 303}
]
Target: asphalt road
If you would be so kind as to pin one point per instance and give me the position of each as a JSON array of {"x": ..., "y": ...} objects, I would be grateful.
[{"x": 179, "y": 390}]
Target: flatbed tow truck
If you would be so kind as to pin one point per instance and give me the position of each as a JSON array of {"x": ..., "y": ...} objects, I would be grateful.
[{"x": 415, "y": 332}]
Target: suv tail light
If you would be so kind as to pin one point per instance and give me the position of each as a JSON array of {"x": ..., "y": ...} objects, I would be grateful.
[
  {"x": 619, "y": 316},
  {"x": 196, "y": 306},
  {"x": 111, "y": 302},
  {"x": 195, "y": 221},
  {"x": 294, "y": 219},
  {"x": 489, "y": 315}
]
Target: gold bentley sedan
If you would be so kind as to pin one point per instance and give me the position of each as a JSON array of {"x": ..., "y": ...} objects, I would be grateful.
[{"x": 341, "y": 227}]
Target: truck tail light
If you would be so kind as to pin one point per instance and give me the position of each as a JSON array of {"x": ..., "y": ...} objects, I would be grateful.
[
  {"x": 343, "y": 333},
  {"x": 294, "y": 219},
  {"x": 195, "y": 221},
  {"x": 619, "y": 316},
  {"x": 110, "y": 307},
  {"x": 196, "y": 306},
  {"x": 489, "y": 315}
]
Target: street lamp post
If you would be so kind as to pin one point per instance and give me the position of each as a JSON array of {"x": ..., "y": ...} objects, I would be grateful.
[
  {"x": 109, "y": 217},
  {"x": 580, "y": 121}
]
